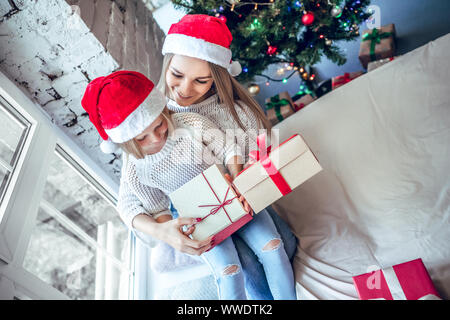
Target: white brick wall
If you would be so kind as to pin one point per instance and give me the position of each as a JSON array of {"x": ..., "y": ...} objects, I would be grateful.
[{"x": 54, "y": 53}]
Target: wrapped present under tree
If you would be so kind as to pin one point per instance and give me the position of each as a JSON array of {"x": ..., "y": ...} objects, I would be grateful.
[
  {"x": 377, "y": 44},
  {"x": 279, "y": 107},
  {"x": 339, "y": 81},
  {"x": 302, "y": 100}
]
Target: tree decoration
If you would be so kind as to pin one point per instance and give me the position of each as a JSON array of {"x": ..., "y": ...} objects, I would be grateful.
[
  {"x": 271, "y": 50},
  {"x": 308, "y": 18},
  {"x": 267, "y": 32}
]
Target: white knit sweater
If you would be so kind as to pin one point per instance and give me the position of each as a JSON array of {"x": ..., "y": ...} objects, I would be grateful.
[
  {"x": 195, "y": 145},
  {"x": 145, "y": 183},
  {"x": 221, "y": 116}
]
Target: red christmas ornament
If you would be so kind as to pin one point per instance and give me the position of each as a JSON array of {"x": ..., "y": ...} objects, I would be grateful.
[
  {"x": 271, "y": 50},
  {"x": 308, "y": 18}
]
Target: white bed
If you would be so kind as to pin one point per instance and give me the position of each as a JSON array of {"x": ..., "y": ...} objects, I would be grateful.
[{"x": 384, "y": 195}]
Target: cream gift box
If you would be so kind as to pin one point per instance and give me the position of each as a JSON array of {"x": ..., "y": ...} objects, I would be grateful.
[
  {"x": 209, "y": 196},
  {"x": 273, "y": 176}
]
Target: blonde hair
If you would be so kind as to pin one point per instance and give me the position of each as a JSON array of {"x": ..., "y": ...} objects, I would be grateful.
[
  {"x": 132, "y": 146},
  {"x": 228, "y": 90}
]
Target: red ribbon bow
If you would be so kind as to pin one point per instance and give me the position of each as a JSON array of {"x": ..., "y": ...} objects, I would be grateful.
[
  {"x": 298, "y": 106},
  {"x": 220, "y": 205},
  {"x": 343, "y": 79},
  {"x": 262, "y": 155}
]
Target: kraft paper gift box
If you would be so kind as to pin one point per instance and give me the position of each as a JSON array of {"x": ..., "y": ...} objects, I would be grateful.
[
  {"x": 279, "y": 107},
  {"x": 277, "y": 172},
  {"x": 210, "y": 197},
  {"x": 405, "y": 281},
  {"x": 302, "y": 101},
  {"x": 377, "y": 44},
  {"x": 339, "y": 81}
]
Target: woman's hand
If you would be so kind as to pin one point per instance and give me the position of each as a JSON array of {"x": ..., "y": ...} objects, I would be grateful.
[
  {"x": 249, "y": 163},
  {"x": 240, "y": 197},
  {"x": 172, "y": 233}
]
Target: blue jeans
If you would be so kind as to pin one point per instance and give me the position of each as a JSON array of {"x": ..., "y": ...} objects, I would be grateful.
[
  {"x": 255, "y": 278},
  {"x": 262, "y": 237}
]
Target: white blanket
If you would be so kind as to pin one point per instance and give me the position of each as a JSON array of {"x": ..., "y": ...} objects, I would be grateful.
[{"x": 383, "y": 197}]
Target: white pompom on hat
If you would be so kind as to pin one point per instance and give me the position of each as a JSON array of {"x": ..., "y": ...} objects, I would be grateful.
[
  {"x": 203, "y": 37},
  {"x": 121, "y": 105}
]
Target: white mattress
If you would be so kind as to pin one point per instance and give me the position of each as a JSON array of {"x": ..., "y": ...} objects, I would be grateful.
[{"x": 383, "y": 197}]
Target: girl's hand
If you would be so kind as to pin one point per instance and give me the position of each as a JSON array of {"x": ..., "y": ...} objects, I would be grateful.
[
  {"x": 172, "y": 233},
  {"x": 240, "y": 197}
]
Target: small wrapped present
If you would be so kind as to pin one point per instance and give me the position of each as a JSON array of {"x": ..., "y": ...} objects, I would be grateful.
[
  {"x": 301, "y": 101},
  {"x": 376, "y": 64},
  {"x": 323, "y": 88},
  {"x": 405, "y": 281},
  {"x": 277, "y": 171},
  {"x": 210, "y": 197},
  {"x": 339, "y": 81},
  {"x": 377, "y": 44},
  {"x": 279, "y": 107}
]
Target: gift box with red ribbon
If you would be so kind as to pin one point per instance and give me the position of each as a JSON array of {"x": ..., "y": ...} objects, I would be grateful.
[
  {"x": 405, "y": 281},
  {"x": 211, "y": 197},
  {"x": 302, "y": 101},
  {"x": 336, "y": 82},
  {"x": 276, "y": 172}
]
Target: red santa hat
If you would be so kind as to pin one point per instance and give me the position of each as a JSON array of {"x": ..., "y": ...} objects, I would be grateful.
[
  {"x": 203, "y": 37},
  {"x": 121, "y": 105}
]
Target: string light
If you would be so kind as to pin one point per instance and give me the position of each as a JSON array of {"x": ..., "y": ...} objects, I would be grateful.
[{"x": 349, "y": 18}]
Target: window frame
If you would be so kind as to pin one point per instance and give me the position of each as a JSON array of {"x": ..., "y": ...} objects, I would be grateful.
[
  {"x": 19, "y": 217},
  {"x": 20, "y": 119}
]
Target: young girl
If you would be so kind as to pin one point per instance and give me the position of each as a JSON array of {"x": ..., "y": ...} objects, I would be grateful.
[
  {"x": 127, "y": 110},
  {"x": 197, "y": 76}
]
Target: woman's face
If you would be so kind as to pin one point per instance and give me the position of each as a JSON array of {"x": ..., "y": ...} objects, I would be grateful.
[
  {"x": 153, "y": 138},
  {"x": 188, "y": 79}
]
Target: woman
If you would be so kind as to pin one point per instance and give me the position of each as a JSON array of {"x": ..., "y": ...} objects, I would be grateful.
[{"x": 197, "y": 77}]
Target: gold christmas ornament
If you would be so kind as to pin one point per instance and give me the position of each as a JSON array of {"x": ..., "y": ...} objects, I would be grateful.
[{"x": 253, "y": 89}]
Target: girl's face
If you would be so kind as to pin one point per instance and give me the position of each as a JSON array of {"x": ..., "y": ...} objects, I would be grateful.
[
  {"x": 153, "y": 138},
  {"x": 188, "y": 79}
]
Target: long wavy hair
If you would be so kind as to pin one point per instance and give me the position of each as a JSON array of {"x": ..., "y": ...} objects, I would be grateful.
[{"x": 229, "y": 91}]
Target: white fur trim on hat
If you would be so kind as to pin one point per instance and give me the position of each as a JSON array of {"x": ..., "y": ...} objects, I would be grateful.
[
  {"x": 140, "y": 118},
  {"x": 197, "y": 48}
]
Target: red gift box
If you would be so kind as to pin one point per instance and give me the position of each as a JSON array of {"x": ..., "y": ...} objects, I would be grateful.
[{"x": 405, "y": 281}]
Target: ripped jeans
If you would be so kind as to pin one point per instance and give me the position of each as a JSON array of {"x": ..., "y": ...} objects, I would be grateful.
[{"x": 262, "y": 237}]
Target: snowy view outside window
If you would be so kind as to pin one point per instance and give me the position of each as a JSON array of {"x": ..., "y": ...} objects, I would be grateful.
[{"x": 79, "y": 244}]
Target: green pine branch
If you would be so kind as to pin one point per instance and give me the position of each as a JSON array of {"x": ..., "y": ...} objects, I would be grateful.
[{"x": 279, "y": 24}]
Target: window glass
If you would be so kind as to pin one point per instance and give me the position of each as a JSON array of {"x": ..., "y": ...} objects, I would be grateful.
[{"x": 79, "y": 244}]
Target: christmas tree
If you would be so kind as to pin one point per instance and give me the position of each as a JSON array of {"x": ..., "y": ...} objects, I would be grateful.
[{"x": 296, "y": 33}]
